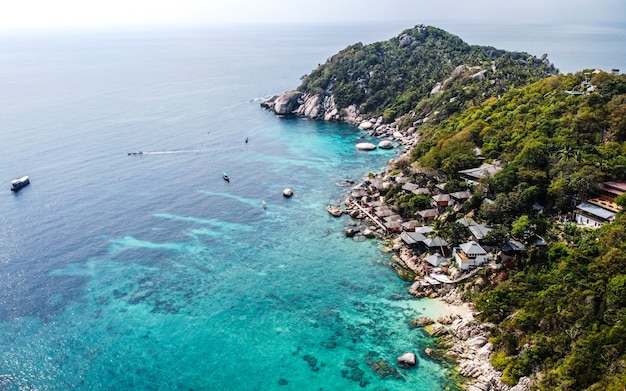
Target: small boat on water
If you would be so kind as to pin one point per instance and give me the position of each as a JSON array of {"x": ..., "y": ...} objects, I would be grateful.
[
  {"x": 18, "y": 183},
  {"x": 135, "y": 153},
  {"x": 226, "y": 177},
  {"x": 264, "y": 205}
]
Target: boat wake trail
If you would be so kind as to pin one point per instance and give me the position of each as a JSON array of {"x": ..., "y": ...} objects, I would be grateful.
[{"x": 177, "y": 151}]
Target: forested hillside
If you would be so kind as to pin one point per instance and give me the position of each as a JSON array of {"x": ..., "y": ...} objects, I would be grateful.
[
  {"x": 390, "y": 78},
  {"x": 559, "y": 309},
  {"x": 556, "y": 145}
]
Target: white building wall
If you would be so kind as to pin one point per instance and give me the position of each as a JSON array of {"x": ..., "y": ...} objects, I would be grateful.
[{"x": 587, "y": 222}]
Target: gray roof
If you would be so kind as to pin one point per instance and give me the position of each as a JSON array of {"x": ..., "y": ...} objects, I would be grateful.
[
  {"x": 441, "y": 197},
  {"x": 394, "y": 224},
  {"x": 479, "y": 231},
  {"x": 472, "y": 248},
  {"x": 421, "y": 190},
  {"x": 409, "y": 186},
  {"x": 461, "y": 195},
  {"x": 466, "y": 221},
  {"x": 424, "y": 229},
  {"x": 411, "y": 224},
  {"x": 412, "y": 237},
  {"x": 513, "y": 245},
  {"x": 435, "y": 242},
  {"x": 436, "y": 259},
  {"x": 484, "y": 170},
  {"x": 427, "y": 212},
  {"x": 384, "y": 211},
  {"x": 394, "y": 217},
  {"x": 595, "y": 210}
]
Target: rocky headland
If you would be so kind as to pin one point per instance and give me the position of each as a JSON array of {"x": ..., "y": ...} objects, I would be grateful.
[
  {"x": 343, "y": 90},
  {"x": 323, "y": 108},
  {"x": 464, "y": 338}
]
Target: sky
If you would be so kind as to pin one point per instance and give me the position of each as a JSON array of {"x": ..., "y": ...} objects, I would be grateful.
[{"x": 68, "y": 14}]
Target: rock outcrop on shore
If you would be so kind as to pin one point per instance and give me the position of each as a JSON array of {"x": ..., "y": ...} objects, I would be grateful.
[
  {"x": 467, "y": 343},
  {"x": 317, "y": 107},
  {"x": 323, "y": 107}
]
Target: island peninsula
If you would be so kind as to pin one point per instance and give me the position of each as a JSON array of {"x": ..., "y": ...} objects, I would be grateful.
[{"x": 508, "y": 195}]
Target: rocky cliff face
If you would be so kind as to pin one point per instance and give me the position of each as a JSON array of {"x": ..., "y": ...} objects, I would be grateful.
[
  {"x": 310, "y": 106},
  {"x": 318, "y": 107}
]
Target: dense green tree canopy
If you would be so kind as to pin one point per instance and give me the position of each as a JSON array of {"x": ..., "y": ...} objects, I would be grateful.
[
  {"x": 560, "y": 310},
  {"x": 391, "y": 78}
]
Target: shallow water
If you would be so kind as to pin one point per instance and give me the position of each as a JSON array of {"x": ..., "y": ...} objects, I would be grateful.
[{"x": 150, "y": 271}]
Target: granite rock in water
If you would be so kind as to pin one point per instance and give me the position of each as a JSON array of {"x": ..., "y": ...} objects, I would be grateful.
[
  {"x": 385, "y": 144},
  {"x": 368, "y": 233},
  {"x": 286, "y": 104},
  {"x": 409, "y": 359},
  {"x": 365, "y": 146}
]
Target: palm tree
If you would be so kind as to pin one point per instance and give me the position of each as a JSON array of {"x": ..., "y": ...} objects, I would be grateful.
[{"x": 441, "y": 230}]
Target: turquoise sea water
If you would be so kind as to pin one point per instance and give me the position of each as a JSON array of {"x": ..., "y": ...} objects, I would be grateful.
[{"x": 151, "y": 272}]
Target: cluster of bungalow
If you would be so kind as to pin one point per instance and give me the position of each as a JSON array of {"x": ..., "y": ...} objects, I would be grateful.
[
  {"x": 418, "y": 235},
  {"x": 467, "y": 255}
]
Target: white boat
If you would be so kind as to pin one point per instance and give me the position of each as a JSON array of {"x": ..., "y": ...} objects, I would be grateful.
[{"x": 18, "y": 183}]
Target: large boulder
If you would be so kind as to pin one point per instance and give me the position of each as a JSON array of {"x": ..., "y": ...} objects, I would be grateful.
[
  {"x": 311, "y": 107},
  {"x": 368, "y": 233},
  {"x": 366, "y": 125},
  {"x": 288, "y": 103},
  {"x": 436, "y": 330},
  {"x": 422, "y": 321},
  {"x": 365, "y": 146},
  {"x": 408, "y": 359},
  {"x": 477, "y": 341},
  {"x": 385, "y": 144}
]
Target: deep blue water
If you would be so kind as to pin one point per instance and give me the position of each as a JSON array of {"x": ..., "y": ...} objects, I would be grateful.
[{"x": 151, "y": 272}]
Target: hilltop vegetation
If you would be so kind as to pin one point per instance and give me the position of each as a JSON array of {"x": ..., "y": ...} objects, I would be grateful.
[
  {"x": 555, "y": 146},
  {"x": 560, "y": 310},
  {"x": 390, "y": 78}
]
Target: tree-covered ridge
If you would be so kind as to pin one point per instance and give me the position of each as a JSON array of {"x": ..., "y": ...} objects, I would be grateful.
[
  {"x": 561, "y": 310},
  {"x": 391, "y": 78},
  {"x": 562, "y": 314},
  {"x": 555, "y": 144}
]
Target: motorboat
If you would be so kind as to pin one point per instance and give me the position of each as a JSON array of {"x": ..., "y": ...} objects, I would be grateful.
[{"x": 18, "y": 183}]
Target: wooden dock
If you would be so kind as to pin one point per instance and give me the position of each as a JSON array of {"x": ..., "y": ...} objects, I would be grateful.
[{"x": 371, "y": 217}]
